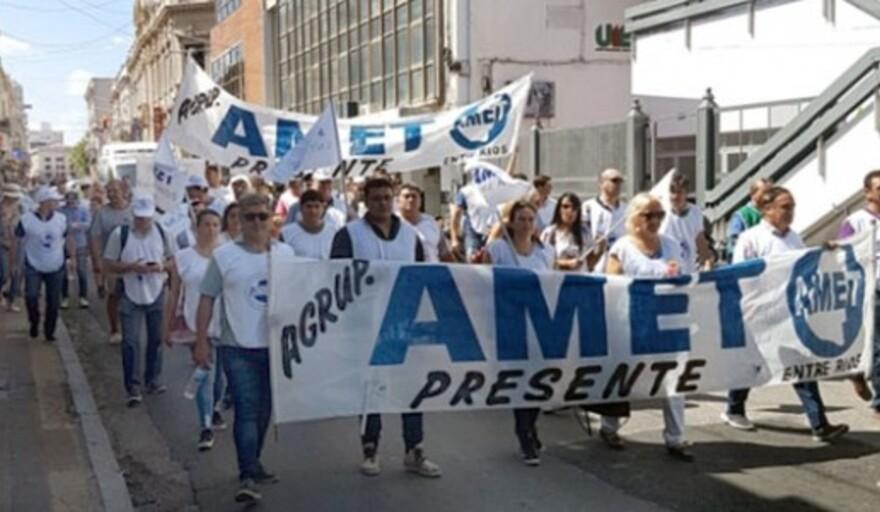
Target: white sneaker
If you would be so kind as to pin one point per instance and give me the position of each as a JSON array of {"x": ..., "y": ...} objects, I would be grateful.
[
  {"x": 738, "y": 421},
  {"x": 65, "y": 303},
  {"x": 416, "y": 462},
  {"x": 116, "y": 338},
  {"x": 83, "y": 303},
  {"x": 370, "y": 466}
]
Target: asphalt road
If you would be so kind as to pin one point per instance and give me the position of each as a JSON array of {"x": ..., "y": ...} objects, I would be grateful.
[{"x": 777, "y": 468}]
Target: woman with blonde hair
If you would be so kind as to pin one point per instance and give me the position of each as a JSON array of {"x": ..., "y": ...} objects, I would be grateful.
[
  {"x": 520, "y": 247},
  {"x": 645, "y": 253}
]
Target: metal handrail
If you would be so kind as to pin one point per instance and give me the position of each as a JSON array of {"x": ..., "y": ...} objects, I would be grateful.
[{"x": 779, "y": 154}]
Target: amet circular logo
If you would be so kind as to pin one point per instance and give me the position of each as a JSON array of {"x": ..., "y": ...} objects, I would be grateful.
[
  {"x": 481, "y": 124},
  {"x": 826, "y": 304},
  {"x": 258, "y": 295}
]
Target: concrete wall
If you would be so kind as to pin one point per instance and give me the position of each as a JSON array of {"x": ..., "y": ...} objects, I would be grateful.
[
  {"x": 795, "y": 52},
  {"x": 246, "y": 27}
]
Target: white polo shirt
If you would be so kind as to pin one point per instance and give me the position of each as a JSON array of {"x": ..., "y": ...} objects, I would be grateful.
[{"x": 763, "y": 240}]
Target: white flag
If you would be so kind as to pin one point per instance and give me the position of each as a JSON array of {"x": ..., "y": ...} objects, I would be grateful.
[
  {"x": 661, "y": 190},
  {"x": 319, "y": 148},
  {"x": 489, "y": 187},
  {"x": 169, "y": 182}
]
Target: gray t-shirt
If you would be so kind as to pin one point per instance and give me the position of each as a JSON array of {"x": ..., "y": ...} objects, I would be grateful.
[
  {"x": 106, "y": 220},
  {"x": 212, "y": 286}
]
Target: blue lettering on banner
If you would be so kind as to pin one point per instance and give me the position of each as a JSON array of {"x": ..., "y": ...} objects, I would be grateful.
[
  {"x": 726, "y": 279},
  {"x": 518, "y": 294},
  {"x": 412, "y": 134},
  {"x": 492, "y": 113},
  {"x": 645, "y": 307},
  {"x": 287, "y": 134},
  {"x": 811, "y": 292},
  {"x": 360, "y": 144},
  {"x": 400, "y": 329},
  {"x": 251, "y": 138}
]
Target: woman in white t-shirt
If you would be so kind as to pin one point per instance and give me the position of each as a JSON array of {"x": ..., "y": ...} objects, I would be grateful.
[
  {"x": 519, "y": 247},
  {"x": 231, "y": 224},
  {"x": 568, "y": 235},
  {"x": 645, "y": 253},
  {"x": 186, "y": 273}
]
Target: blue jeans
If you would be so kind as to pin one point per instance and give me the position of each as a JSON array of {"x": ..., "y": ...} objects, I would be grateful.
[
  {"x": 206, "y": 395},
  {"x": 412, "y": 430},
  {"x": 132, "y": 317},
  {"x": 5, "y": 271},
  {"x": 82, "y": 259},
  {"x": 473, "y": 241},
  {"x": 16, "y": 268},
  {"x": 807, "y": 392},
  {"x": 33, "y": 279},
  {"x": 247, "y": 371},
  {"x": 875, "y": 371}
]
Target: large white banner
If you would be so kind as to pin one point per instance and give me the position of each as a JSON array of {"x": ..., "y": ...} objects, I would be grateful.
[
  {"x": 352, "y": 337},
  {"x": 211, "y": 123}
]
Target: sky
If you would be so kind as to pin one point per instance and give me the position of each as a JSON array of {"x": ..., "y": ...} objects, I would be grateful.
[{"x": 54, "y": 47}]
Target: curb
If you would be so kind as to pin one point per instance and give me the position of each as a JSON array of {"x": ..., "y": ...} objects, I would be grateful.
[{"x": 111, "y": 484}]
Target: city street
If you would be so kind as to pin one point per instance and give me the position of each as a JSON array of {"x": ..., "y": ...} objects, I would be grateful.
[{"x": 777, "y": 468}]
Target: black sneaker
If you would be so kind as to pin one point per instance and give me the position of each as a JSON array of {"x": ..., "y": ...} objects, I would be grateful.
[
  {"x": 247, "y": 492},
  {"x": 530, "y": 455},
  {"x": 264, "y": 477},
  {"x": 155, "y": 389},
  {"x": 134, "y": 400},
  {"x": 35, "y": 330},
  {"x": 206, "y": 440},
  {"x": 217, "y": 422},
  {"x": 611, "y": 439},
  {"x": 680, "y": 452},
  {"x": 829, "y": 432},
  {"x": 50, "y": 339}
]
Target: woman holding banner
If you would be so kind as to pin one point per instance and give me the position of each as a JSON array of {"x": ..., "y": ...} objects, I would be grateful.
[
  {"x": 645, "y": 253},
  {"x": 519, "y": 247},
  {"x": 186, "y": 276}
]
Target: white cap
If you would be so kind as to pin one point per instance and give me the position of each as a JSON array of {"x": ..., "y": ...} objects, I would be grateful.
[
  {"x": 322, "y": 174},
  {"x": 47, "y": 194},
  {"x": 143, "y": 205},
  {"x": 196, "y": 180}
]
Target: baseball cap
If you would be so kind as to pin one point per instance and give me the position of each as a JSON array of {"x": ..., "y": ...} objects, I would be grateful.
[
  {"x": 322, "y": 175},
  {"x": 143, "y": 206},
  {"x": 47, "y": 194},
  {"x": 197, "y": 181}
]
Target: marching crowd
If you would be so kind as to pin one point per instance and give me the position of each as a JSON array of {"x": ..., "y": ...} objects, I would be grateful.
[{"x": 163, "y": 272}]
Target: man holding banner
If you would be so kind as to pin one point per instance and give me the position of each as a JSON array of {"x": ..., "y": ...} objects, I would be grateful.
[
  {"x": 381, "y": 235},
  {"x": 773, "y": 236}
]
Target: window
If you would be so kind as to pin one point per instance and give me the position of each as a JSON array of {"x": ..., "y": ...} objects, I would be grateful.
[
  {"x": 380, "y": 53},
  {"x": 224, "y": 8},
  {"x": 228, "y": 71}
]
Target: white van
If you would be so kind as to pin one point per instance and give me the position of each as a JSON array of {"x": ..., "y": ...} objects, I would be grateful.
[{"x": 119, "y": 159}]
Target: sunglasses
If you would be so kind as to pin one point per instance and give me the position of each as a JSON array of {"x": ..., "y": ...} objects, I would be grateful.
[
  {"x": 616, "y": 180},
  {"x": 250, "y": 217},
  {"x": 653, "y": 215}
]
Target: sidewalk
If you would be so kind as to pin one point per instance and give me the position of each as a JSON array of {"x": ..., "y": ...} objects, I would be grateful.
[{"x": 43, "y": 461}]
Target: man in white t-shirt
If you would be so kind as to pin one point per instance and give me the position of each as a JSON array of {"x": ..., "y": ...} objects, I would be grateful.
[
  {"x": 773, "y": 235},
  {"x": 335, "y": 211},
  {"x": 239, "y": 275},
  {"x": 684, "y": 224},
  {"x": 545, "y": 204},
  {"x": 139, "y": 254},
  {"x": 409, "y": 205},
  {"x": 312, "y": 235},
  {"x": 214, "y": 178},
  {"x": 604, "y": 215},
  {"x": 43, "y": 236},
  {"x": 289, "y": 198}
]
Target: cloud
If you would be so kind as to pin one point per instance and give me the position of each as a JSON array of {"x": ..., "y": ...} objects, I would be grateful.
[
  {"x": 77, "y": 82},
  {"x": 11, "y": 47},
  {"x": 121, "y": 41}
]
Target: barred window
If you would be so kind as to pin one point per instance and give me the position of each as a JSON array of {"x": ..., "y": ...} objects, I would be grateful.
[
  {"x": 228, "y": 70},
  {"x": 224, "y": 8},
  {"x": 380, "y": 53}
]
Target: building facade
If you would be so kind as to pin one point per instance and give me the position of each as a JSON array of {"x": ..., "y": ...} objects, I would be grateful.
[
  {"x": 99, "y": 107},
  {"x": 13, "y": 126},
  {"x": 51, "y": 164},
  {"x": 45, "y": 136},
  {"x": 237, "y": 59},
  {"x": 166, "y": 32}
]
